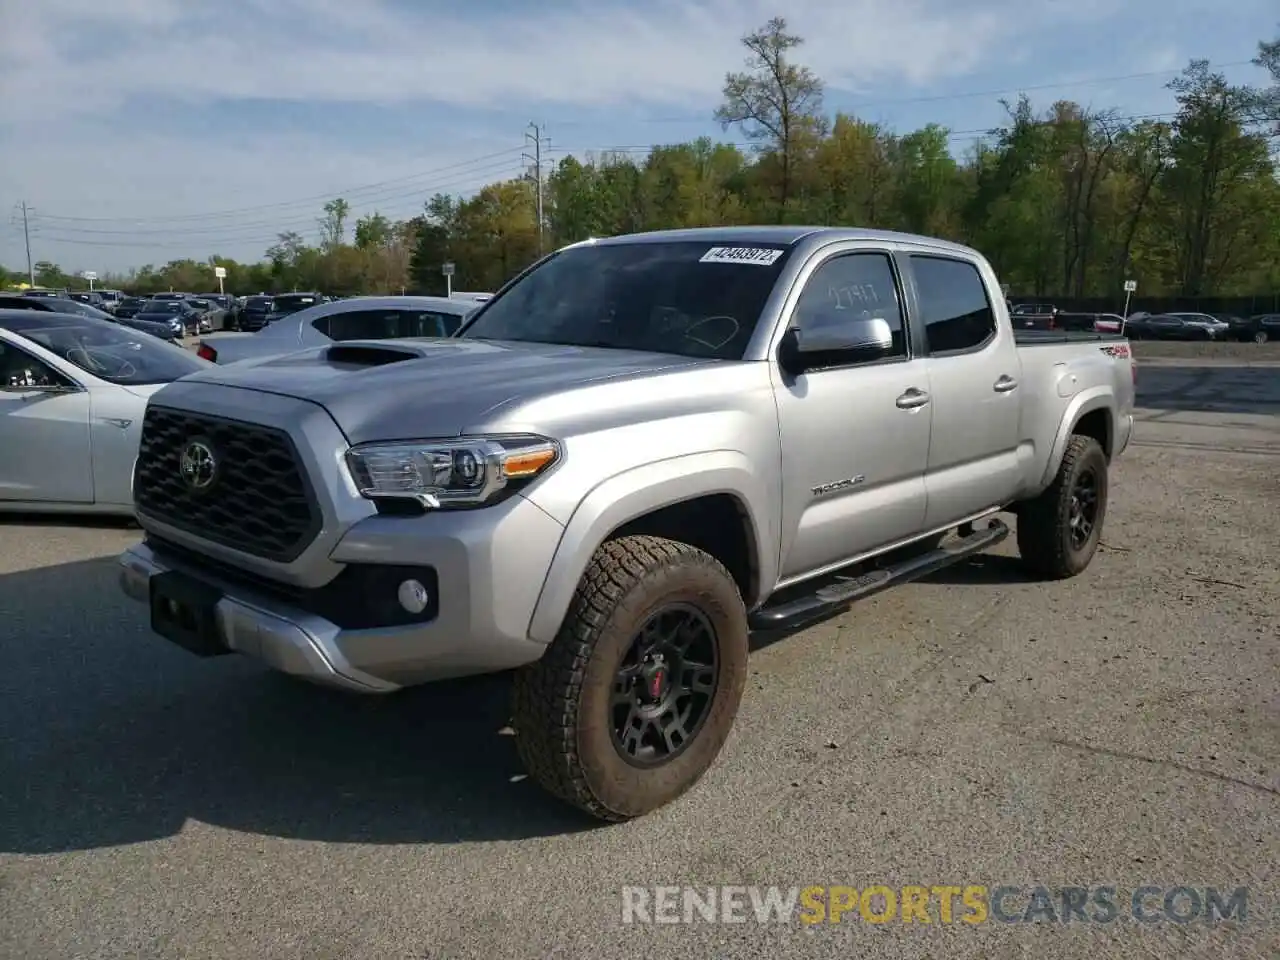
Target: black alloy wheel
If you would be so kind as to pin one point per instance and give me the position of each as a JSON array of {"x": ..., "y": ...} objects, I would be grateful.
[
  {"x": 1084, "y": 508},
  {"x": 665, "y": 686}
]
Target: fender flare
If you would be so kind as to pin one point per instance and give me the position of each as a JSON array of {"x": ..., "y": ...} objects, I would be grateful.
[
  {"x": 1085, "y": 402},
  {"x": 633, "y": 493}
]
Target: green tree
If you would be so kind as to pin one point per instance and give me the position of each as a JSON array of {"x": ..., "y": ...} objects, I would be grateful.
[{"x": 777, "y": 103}]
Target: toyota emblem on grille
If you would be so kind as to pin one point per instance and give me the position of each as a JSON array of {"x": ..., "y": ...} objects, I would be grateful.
[{"x": 198, "y": 465}]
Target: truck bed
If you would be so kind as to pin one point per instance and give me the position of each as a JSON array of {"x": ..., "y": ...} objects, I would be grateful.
[{"x": 1036, "y": 338}]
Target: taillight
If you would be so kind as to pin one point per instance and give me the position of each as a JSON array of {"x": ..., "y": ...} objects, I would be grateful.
[{"x": 207, "y": 352}]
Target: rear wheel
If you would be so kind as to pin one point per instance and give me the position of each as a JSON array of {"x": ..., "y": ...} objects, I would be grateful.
[
  {"x": 1260, "y": 337},
  {"x": 635, "y": 697},
  {"x": 1058, "y": 531}
]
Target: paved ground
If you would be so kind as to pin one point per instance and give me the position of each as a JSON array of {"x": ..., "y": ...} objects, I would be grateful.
[{"x": 1117, "y": 730}]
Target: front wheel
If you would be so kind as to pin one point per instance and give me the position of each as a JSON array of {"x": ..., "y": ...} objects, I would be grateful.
[
  {"x": 634, "y": 699},
  {"x": 1058, "y": 531},
  {"x": 1260, "y": 337}
]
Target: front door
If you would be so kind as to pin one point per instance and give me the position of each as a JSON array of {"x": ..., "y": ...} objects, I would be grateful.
[
  {"x": 855, "y": 435},
  {"x": 45, "y": 453}
]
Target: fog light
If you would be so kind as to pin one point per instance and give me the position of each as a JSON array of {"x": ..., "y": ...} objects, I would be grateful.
[{"x": 413, "y": 596}]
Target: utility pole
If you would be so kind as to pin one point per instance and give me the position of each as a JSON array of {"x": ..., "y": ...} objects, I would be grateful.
[
  {"x": 536, "y": 138},
  {"x": 26, "y": 236}
]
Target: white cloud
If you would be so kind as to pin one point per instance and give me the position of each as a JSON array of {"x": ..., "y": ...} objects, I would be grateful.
[
  {"x": 601, "y": 53},
  {"x": 80, "y": 79}
]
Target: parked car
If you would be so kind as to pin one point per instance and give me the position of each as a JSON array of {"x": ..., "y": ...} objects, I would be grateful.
[
  {"x": 1175, "y": 326},
  {"x": 255, "y": 314},
  {"x": 633, "y": 454},
  {"x": 131, "y": 306},
  {"x": 175, "y": 314},
  {"x": 111, "y": 299},
  {"x": 91, "y": 297},
  {"x": 360, "y": 318},
  {"x": 1260, "y": 328},
  {"x": 73, "y": 392},
  {"x": 67, "y": 305},
  {"x": 43, "y": 292},
  {"x": 205, "y": 311},
  {"x": 286, "y": 303}
]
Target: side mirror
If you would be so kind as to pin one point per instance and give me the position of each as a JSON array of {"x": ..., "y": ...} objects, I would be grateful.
[{"x": 834, "y": 338}]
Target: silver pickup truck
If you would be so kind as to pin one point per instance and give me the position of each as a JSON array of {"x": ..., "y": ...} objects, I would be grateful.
[{"x": 640, "y": 450}]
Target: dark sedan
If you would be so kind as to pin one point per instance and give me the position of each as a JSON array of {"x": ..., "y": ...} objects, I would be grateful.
[
  {"x": 1175, "y": 326},
  {"x": 66, "y": 305},
  {"x": 1262, "y": 328},
  {"x": 131, "y": 306},
  {"x": 175, "y": 314},
  {"x": 254, "y": 314}
]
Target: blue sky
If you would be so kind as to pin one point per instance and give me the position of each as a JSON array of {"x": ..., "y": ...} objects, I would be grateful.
[{"x": 142, "y": 131}]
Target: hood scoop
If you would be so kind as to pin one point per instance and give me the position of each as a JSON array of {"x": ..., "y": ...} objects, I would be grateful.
[{"x": 373, "y": 354}]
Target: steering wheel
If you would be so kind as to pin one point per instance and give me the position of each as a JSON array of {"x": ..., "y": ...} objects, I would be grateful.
[
  {"x": 93, "y": 361},
  {"x": 728, "y": 325}
]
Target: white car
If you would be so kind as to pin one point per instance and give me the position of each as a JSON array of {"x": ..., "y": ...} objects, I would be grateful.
[
  {"x": 359, "y": 318},
  {"x": 73, "y": 392}
]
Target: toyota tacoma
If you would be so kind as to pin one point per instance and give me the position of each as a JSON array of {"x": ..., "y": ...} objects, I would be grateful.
[{"x": 640, "y": 450}]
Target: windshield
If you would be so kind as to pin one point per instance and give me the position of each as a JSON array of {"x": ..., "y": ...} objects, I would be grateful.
[
  {"x": 115, "y": 354},
  {"x": 84, "y": 310},
  {"x": 691, "y": 298}
]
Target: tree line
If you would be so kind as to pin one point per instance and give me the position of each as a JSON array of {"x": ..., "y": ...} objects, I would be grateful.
[{"x": 1066, "y": 201}]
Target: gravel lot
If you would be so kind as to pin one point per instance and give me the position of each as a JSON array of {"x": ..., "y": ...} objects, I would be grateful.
[{"x": 1119, "y": 729}]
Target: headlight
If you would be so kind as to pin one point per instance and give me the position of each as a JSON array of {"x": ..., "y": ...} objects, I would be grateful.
[{"x": 441, "y": 473}]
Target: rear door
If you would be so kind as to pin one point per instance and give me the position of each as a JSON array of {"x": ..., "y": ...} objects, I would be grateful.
[{"x": 973, "y": 377}]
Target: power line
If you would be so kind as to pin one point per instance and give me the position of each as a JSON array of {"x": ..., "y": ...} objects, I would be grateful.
[
  {"x": 350, "y": 192},
  {"x": 946, "y": 97},
  {"x": 236, "y": 228}
]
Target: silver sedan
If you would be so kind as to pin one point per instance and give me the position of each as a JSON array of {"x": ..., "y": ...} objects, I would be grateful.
[
  {"x": 359, "y": 318},
  {"x": 73, "y": 392}
]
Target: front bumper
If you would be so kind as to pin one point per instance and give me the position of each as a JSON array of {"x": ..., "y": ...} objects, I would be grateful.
[{"x": 489, "y": 564}]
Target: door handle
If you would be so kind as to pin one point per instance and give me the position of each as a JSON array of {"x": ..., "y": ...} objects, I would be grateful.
[
  {"x": 912, "y": 399},
  {"x": 1005, "y": 384}
]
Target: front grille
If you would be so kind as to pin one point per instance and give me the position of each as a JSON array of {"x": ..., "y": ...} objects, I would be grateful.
[{"x": 259, "y": 500}]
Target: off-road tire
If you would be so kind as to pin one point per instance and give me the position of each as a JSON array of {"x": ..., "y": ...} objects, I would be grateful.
[
  {"x": 1044, "y": 528},
  {"x": 560, "y": 703}
]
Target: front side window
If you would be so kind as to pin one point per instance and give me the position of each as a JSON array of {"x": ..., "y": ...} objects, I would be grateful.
[
  {"x": 19, "y": 369},
  {"x": 115, "y": 354},
  {"x": 844, "y": 293},
  {"x": 692, "y": 298},
  {"x": 953, "y": 304}
]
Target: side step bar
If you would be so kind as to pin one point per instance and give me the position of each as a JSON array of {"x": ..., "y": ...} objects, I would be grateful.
[{"x": 832, "y": 597}]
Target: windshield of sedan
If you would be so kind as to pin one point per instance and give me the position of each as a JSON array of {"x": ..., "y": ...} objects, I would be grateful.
[
  {"x": 695, "y": 299},
  {"x": 83, "y": 309},
  {"x": 115, "y": 354}
]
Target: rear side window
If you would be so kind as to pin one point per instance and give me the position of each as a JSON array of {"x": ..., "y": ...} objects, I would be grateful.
[
  {"x": 953, "y": 304},
  {"x": 386, "y": 324}
]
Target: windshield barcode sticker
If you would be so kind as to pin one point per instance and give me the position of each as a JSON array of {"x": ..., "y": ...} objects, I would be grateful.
[{"x": 758, "y": 255}]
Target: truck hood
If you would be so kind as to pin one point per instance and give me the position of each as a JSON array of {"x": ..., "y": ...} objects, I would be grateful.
[{"x": 410, "y": 389}]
